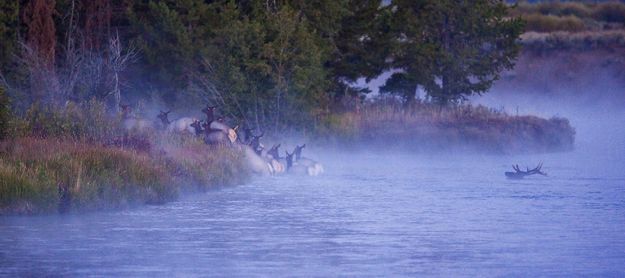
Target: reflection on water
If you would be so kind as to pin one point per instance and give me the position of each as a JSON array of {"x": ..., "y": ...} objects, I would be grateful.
[{"x": 369, "y": 214}]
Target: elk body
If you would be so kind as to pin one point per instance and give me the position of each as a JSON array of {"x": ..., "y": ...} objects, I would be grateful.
[
  {"x": 518, "y": 174},
  {"x": 273, "y": 157},
  {"x": 181, "y": 125},
  {"x": 257, "y": 164},
  {"x": 302, "y": 168},
  {"x": 316, "y": 167}
]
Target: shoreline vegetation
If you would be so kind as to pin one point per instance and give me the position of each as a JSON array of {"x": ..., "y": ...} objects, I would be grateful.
[
  {"x": 421, "y": 126},
  {"x": 80, "y": 159},
  {"x": 268, "y": 68}
]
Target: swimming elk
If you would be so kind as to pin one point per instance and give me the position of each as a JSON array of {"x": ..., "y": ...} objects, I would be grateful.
[
  {"x": 273, "y": 158},
  {"x": 299, "y": 159},
  {"x": 294, "y": 167},
  {"x": 518, "y": 174}
]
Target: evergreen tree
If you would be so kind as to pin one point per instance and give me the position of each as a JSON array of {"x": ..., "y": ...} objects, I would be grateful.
[
  {"x": 9, "y": 26},
  {"x": 452, "y": 48}
]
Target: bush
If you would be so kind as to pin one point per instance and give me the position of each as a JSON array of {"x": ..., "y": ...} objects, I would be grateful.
[{"x": 87, "y": 121}]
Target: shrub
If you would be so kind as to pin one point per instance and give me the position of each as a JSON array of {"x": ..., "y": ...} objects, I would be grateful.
[{"x": 88, "y": 121}]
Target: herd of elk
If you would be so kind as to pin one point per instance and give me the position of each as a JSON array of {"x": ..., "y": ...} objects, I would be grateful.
[{"x": 215, "y": 131}]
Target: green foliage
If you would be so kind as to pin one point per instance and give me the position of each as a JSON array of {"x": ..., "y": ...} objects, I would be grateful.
[
  {"x": 9, "y": 18},
  {"x": 89, "y": 121},
  {"x": 100, "y": 177},
  {"x": 452, "y": 49}
]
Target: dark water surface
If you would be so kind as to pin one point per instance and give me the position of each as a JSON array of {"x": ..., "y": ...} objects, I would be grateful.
[{"x": 370, "y": 214}]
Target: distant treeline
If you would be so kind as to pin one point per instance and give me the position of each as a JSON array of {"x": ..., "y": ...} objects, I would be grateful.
[{"x": 272, "y": 63}]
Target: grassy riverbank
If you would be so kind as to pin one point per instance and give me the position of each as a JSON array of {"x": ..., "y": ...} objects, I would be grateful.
[
  {"x": 80, "y": 159},
  {"x": 426, "y": 127},
  {"x": 97, "y": 177}
]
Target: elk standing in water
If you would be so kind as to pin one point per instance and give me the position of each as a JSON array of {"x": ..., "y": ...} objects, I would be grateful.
[
  {"x": 298, "y": 159},
  {"x": 273, "y": 157},
  {"x": 302, "y": 168},
  {"x": 257, "y": 147},
  {"x": 518, "y": 174}
]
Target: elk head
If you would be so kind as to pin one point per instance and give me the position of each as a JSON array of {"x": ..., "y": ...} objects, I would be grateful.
[
  {"x": 289, "y": 159},
  {"x": 255, "y": 142},
  {"x": 519, "y": 174},
  {"x": 274, "y": 151},
  {"x": 209, "y": 111},
  {"x": 298, "y": 151},
  {"x": 197, "y": 125},
  {"x": 163, "y": 117}
]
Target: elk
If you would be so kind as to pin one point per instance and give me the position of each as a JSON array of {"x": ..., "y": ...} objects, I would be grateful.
[
  {"x": 302, "y": 168},
  {"x": 197, "y": 126},
  {"x": 256, "y": 163},
  {"x": 306, "y": 161},
  {"x": 518, "y": 174},
  {"x": 179, "y": 125},
  {"x": 257, "y": 147},
  {"x": 131, "y": 122},
  {"x": 209, "y": 111},
  {"x": 273, "y": 157}
]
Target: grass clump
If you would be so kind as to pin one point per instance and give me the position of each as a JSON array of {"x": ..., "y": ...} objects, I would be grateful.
[{"x": 32, "y": 170}]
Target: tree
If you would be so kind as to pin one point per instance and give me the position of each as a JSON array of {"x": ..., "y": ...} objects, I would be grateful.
[
  {"x": 5, "y": 113},
  {"x": 265, "y": 67},
  {"x": 452, "y": 48},
  {"x": 9, "y": 20}
]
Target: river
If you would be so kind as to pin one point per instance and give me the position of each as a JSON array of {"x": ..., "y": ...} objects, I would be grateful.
[{"x": 370, "y": 214}]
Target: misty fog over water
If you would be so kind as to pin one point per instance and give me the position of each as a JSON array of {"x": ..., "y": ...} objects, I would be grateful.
[{"x": 371, "y": 213}]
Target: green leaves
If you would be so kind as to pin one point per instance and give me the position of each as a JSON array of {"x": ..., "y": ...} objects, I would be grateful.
[{"x": 452, "y": 48}]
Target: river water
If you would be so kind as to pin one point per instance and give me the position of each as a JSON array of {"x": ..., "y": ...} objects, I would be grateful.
[{"x": 370, "y": 214}]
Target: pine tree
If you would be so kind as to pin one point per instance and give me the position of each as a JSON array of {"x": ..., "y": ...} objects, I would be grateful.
[
  {"x": 452, "y": 48},
  {"x": 9, "y": 26}
]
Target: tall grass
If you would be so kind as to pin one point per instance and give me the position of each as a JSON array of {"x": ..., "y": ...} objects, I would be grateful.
[
  {"x": 430, "y": 127},
  {"x": 85, "y": 151}
]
